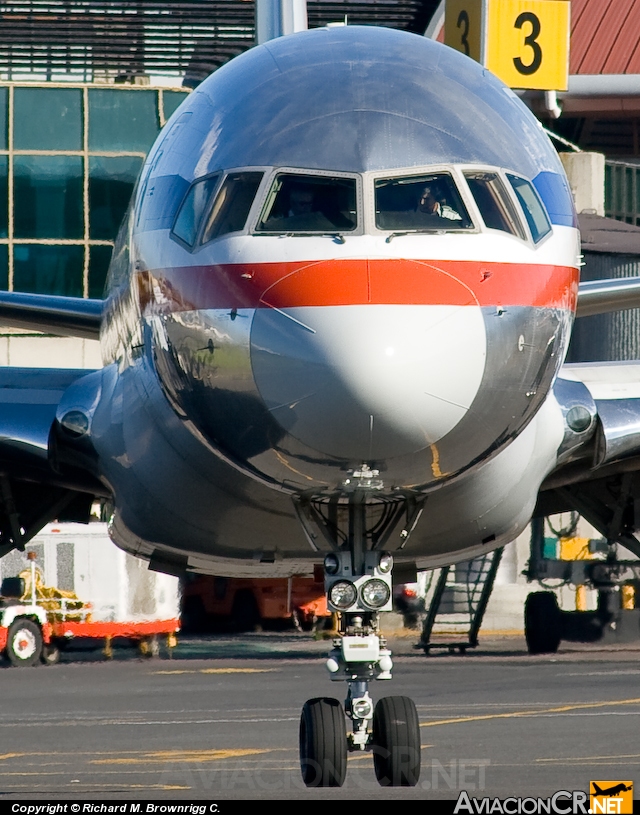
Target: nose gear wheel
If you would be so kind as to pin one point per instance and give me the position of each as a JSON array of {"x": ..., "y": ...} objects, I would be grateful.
[
  {"x": 323, "y": 743},
  {"x": 396, "y": 742}
]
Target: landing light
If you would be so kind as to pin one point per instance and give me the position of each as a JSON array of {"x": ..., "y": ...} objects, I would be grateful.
[
  {"x": 343, "y": 594},
  {"x": 374, "y": 593}
]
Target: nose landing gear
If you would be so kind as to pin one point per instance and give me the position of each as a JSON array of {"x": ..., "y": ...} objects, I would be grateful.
[
  {"x": 390, "y": 730},
  {"x": 358, "y": 586}
]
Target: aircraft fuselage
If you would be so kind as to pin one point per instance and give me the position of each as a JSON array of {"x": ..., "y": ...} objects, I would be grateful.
[{"x": 350, "y": 250}]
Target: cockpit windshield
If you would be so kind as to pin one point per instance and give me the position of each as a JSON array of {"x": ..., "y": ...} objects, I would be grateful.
[
  {"x": 532, "y": 207},
  {"x": 211, "y": 212},
  {"x": 493, "y": 202},
  {"x": 420, "y": 203},
  {"x": 309, "y": 204},
  {"x": 193, "y": 207},
  {"x": 231, "y": 206}
]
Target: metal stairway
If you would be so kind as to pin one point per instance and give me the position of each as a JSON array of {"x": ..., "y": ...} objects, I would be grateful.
[{"x": 455, "y": 609}]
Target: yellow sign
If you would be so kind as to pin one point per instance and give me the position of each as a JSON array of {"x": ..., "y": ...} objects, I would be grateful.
[
  {"x": 463, "y": 27},
  {"x": 611, "y": 797},
  {"x": 524, "y": 42}
]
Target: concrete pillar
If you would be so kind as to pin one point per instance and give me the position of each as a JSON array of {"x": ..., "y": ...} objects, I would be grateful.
[
  {"x": 275, "y": 18},
  {"x": 585, "y": 172}
]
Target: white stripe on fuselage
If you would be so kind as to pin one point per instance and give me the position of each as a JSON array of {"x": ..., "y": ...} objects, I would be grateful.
[{"x": 561, "y": 248}]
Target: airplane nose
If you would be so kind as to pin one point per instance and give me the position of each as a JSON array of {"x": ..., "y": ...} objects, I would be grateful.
[{"x": 368, "y": 382}]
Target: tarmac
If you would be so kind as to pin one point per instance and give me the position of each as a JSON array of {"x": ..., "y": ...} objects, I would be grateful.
[{"x": 219, "y": 720}]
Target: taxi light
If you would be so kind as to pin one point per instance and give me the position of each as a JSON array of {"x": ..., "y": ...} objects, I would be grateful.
[
  {"x": 362, "y": 708},
  {"x": 331, "y": 564},
  {"x": 386, "y": 562},
  {"x": 343, "y": 594},
  {"x": 374, "y": 593}
]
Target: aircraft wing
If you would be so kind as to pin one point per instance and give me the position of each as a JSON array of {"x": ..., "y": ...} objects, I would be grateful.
[
  {"x": 601, "y": 296},
  {"x": 32, "y": 490},
  {"x": 66, "y": 316},
  {"x": 598, "y": 468}
]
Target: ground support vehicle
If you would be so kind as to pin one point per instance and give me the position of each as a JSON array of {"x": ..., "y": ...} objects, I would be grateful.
[
  {"x": 35, "y": 628},
  {"x": 584, "y": 564},
  {"x": 244, "y": 603}
]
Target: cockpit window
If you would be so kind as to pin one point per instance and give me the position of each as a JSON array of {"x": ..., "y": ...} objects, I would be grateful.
[
  {"x": 532, "y": 207},
  {"x": 189, "y": 218},
  {"x": 231, "y": 208},
  {"x": 309, "y": 204},
  {"x": 420, "y": 203},
  {"x": 494, "y": 204}
]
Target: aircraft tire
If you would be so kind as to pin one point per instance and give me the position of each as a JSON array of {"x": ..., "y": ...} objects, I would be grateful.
[
  {"x": 24, "y": 643},
  {"x": 396, "y": 742},
  {"x": 323, "y": 743},
  {"x": 542, "y": 620}
]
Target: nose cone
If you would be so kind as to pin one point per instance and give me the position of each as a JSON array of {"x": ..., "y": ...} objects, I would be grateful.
[{"x": 368, "y": 382}]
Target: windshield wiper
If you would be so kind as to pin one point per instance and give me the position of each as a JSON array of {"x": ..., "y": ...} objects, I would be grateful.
[
  {"x": 393, "y": 235},
  {"x": 337, "y": 236}
]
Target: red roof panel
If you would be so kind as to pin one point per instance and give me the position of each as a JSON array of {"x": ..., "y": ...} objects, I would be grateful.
[
  {"x": 605, "y": 36},
  {"x": 584, "y": 31}
]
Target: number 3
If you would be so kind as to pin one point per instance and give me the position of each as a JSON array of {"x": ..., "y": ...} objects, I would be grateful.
[
  {"x": 463, "y": 22},
  {"x": 531, "y": 41}
]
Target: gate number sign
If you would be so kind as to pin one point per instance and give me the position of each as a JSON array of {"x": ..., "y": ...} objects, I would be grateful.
[{"x": 524, "y": 42}]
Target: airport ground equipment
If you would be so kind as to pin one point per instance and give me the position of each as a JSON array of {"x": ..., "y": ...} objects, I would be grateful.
[
  {"x": 584, "y": 564},
  {"x": 208, "y": 601},
  {"x": 37, "y": 622},
  {"x": 462, "y": 624}
]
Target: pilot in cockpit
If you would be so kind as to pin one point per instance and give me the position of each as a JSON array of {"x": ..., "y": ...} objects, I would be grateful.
[
  {"x": 430, "y": 205},
  {"x": 300, "y": 201}
]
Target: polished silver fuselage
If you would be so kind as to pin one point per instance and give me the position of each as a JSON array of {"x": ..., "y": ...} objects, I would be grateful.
[{"x": 258, "y": 367}]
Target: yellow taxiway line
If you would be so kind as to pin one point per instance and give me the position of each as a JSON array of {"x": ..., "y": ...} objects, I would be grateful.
[
  {"x": 220, "y": 671},
  {"x": 517, "y": 714}
]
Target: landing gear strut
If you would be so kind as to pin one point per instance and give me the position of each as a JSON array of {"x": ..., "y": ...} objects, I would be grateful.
[{"x": 358, "y": 586}]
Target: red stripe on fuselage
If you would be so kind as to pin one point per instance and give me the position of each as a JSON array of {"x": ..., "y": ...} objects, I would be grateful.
[{"x": 384, "y": 281}]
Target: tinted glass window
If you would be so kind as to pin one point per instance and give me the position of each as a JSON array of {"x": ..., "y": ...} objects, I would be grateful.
[
  {"x": 4, "y": 267},
  {"x": 122, "y": 120},
  {"x": 495, "y": 206},
  {"x": 189, "y": 218},
  {"x": 111, "y": 182},
  {"x": 4, "y": 196},
  {"x": 532, "y": 207},
  {"x": 58, "y": 113},
  {"x": 171, "y": 100},
  {"x": 48, "y": 269},
  {"x": 48, "y": 197},
  {"x": 231, "y": 207},
  {"x": 99, "y": 257},
  {"x": 306, "y": 203},
  {"x": 4, "y": 95},
  {"x": 420, "y": 203}
]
